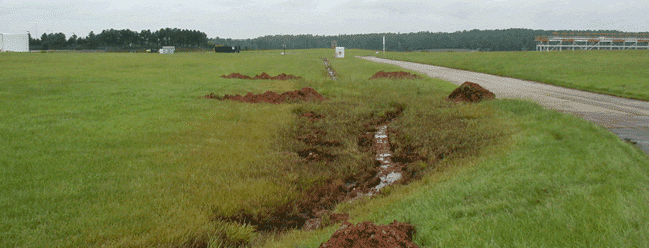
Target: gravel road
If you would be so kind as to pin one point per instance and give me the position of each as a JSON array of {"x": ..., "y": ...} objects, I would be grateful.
[{"x": 627, "y": 118}]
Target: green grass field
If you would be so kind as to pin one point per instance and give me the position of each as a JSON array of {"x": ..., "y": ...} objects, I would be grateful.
[
  {"x": 618, "y": 73},
  {"x": 120, "y": 150}
]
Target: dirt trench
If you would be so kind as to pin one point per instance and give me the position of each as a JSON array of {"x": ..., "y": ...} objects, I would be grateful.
[
  {"x": 314, "y": 209},
  {"x": 332, "y": 73}
]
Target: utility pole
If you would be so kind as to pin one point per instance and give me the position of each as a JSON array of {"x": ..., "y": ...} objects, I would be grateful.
[{"x": 384, "y": 45}]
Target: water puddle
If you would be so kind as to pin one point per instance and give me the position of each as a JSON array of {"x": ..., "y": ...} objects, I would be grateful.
[{"x": 388, "y": 173}]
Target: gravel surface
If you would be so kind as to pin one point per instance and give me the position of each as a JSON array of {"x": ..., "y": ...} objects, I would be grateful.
[{"x": 627, "y": 118}]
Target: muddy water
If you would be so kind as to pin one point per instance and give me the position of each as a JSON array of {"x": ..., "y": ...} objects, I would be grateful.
[{"x": 387, "y": 172}]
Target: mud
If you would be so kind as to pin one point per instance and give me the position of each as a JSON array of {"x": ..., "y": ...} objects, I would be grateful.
[
  {"x": 470, "y": 92},
  {"x": 312, "y": 116},
  {"x": 263, "y": 75},
  {"x": 368, "y": 234},
  {"x": 395, "y": 75},
  {"x": 305, "y": 94}
]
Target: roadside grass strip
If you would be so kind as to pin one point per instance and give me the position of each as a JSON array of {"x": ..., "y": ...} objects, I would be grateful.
[{"x": 618, "y": 73}]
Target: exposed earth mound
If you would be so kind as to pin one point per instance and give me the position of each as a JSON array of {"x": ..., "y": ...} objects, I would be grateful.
[
  {"x": 236, "y": 75},
  {"x": 396, "y": 74},
  {"x": 305, "y": 94},
  {"x": 368, "y": 234},
  {"x": 470, "y": 92},
  {"x": 263, "y": 75}
]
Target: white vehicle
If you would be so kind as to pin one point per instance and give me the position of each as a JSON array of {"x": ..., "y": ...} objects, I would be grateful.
[{"x": 14, "y": 43}]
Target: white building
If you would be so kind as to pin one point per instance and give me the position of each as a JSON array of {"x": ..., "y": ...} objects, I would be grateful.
[
  {"x": 167, "y": 50},
  {"x": 340, "y": 52},
  {"x": 14, "y": 43}
]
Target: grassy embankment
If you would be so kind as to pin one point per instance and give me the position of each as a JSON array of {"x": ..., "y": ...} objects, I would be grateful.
[
  {"x": 553, "y": 180},
  {"x": 117, "y": 149},
  {"x": 618, "y": 73}
]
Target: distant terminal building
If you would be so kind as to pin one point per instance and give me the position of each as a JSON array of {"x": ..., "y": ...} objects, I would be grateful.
[
  {"x": 14, "y": 42},
  {"x": 592, "y": 41},
  {"x": 227, "y": 49}
]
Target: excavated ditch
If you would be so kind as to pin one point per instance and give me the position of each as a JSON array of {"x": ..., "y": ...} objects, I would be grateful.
[
  {"x": 330, "y": 70},
  {"x": 316, "y": 204},
  {"x": 314, "y": 208}
]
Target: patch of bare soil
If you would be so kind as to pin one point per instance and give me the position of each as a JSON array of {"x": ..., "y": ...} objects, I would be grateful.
[
  {"x": 370, "y": 235},
  {"x": 395, "y": 75},
  {"x": 305, "y": 94},
  {"x": 263, "y": 75},
  {"x": 470, "y": 92}
]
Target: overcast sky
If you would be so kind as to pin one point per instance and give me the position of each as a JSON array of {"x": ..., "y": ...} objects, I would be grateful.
[{"x": 252, "y": 18}]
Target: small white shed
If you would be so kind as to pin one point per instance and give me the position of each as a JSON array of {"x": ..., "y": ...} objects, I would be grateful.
[
  {"x": 168, "y": 50},
  {"x": 14, "y": 43},
  {"x": 340, "y": 52}
]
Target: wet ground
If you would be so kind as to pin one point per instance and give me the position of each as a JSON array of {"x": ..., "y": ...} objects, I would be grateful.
[{"x": 627, "y": 118}]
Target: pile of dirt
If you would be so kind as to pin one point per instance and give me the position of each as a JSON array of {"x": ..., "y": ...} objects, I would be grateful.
[
  {"x": 263, "y": 75},
  {"x": 368, "y": 234},
  {"x": 470, "y": 92},
  {"x": 305, "y": 94},
  {"x": 396, "y": 74},
  {"x": 236, "y": 75}
]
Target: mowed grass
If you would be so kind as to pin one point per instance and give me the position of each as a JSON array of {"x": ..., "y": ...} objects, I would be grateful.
[
  {"x": 543, "y": 179},
  {"x": 620, "y": 73},
  {"x": 119, "y": 149}
]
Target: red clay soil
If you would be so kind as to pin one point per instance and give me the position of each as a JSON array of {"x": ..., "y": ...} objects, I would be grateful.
[
  {"x": 370, "y": 235},
  {"x": 305, "y": 94},
  {"x": 396, "y": 74},
  {"x": 263, "y": 75},
  {"x": 236, "y": 75},
  {"x": 470, "y": 92}
]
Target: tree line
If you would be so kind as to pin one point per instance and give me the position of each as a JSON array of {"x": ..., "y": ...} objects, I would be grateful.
[
  {"x": 124, "y": 39},
  {"x": 481, "y": 40}
]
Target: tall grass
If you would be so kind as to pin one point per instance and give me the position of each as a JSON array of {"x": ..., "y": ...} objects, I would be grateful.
[{"x": 619, "y": 73}]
